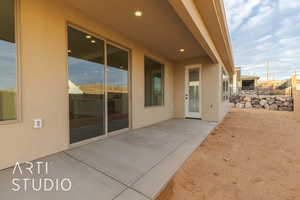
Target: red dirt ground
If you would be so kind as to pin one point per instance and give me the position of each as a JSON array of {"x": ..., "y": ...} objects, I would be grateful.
[{"x": 252, "y": 155}]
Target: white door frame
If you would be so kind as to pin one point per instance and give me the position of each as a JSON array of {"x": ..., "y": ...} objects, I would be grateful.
[{"x": 188, "y": 114}]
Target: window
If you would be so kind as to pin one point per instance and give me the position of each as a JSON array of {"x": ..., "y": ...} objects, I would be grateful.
[
  {"x": 225, "y": 91},
  {"x": 8, "y": 60},
  {"x": 248, "y": 84},
  {"x": 154, "y": 83}
]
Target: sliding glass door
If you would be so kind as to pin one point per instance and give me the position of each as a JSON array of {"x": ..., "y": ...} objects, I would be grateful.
[
  {"x": 86, "y": 86},
  {"x": 117, "y": 88},
  {"x": 98, "y": 86}
]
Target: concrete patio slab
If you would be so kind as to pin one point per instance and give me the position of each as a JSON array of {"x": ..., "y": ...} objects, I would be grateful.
[
  {"x": 87, "y": 183},
  {"x": 119, "y": 160},
  {"x": 147, "y": 158},
  {"x": 135, "y": 165},
  {"x": 127, "y": 157},
  {"x": 156, "y": 179},
  {"x": 130, "y": 194}
]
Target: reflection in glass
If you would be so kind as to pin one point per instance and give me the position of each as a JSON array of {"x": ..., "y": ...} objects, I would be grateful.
[
  {"x": 7, "y": 61},
  {"x": 117, "y": 88},
  {"x": 194, "y": 90},
  {"x": 86, "y": 86},
  {"x": 154, "y": 83}
]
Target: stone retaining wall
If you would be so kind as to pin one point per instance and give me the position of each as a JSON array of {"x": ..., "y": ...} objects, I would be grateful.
[{"x": 269, "y": 102}]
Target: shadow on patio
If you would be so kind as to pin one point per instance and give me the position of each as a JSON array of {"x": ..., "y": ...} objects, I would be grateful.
[{"x": 132, "y": 166}]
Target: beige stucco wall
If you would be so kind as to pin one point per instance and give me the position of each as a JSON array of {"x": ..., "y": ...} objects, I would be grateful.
[
  {"x": 43, "y": 83},
  {"x": 224, "y": 104},
  {"x": 144, "y": 116},
  {"x": 213, "y": 108},
  {"x": 44, "y": 88}
]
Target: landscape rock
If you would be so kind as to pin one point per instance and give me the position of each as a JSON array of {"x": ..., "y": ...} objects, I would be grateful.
[
  {"x": 248, "y": 105},
  {"x": 263, "y": 102},
  {"x": 247, "y": 99},
  {"x": 251, "y": 99},
  {"x": 240, "y": 105},
  {"x": 267, "y": 107},
  {"x": 232, "y": 105},
  {"x": 273, "y": 107}
]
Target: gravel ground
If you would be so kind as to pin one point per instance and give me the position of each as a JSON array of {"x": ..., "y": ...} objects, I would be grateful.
[{"x": 251, "y": 155}]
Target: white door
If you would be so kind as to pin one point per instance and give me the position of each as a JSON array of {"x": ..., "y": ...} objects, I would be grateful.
[{"x": 193, "y": 91}]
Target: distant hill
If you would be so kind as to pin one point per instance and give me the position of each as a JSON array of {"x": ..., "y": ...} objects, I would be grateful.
[
  {"x": 275, "y": 84},
  {"x": 279, "y": 87},
  {"x": 99, "y": 89}
]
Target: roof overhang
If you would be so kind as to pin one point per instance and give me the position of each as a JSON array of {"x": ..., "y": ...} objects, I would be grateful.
[
  {"x": 213, "y": 13},
  {"x": 159, "y": 29},
  {"x": 198, "y": 26},
  {"x": 244, "y": 77},
  {"x": 190, "y": 15}
]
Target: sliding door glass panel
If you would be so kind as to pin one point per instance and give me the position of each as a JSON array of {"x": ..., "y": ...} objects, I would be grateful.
[
  {"x": 86, "y": 86},
  {"x": 194, "y": 90},
  {"x": 7, "y": 61},
  {"x": 117, "y": 88}
]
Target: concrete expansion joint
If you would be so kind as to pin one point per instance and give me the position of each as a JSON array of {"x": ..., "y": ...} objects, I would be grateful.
[
  {"x": 124, "y": 184},
  {"x": 102, "y": 172}
]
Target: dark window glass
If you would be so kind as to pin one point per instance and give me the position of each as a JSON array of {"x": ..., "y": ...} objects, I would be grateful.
[
  {"x": 7, "y": 61},
  {"x": 86, "y": 86},
  {"x": 225, "y": 84},
  {"x": 154, "y": 83},
  {"x": 117, "y": 88},
  {"x": 194, "y": 96},
  {"x": 248, "y": 84}
]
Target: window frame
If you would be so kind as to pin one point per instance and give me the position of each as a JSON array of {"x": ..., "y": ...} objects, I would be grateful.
[
  {"x": 17, "y": 67},
  {"x": 163, "y": 83},
  {"x": 107, "y": 41},
  {"x": 225, "y": 85}
]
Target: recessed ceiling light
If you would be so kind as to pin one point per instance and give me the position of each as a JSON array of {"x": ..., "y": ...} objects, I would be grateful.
[
  {"x": 138, "y": 13},
  {"x": 181, "y": 50},
  {"x": 93, "y": 41},
  {"x": 88, "y": 37}
]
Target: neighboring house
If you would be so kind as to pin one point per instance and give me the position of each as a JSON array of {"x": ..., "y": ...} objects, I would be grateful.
[
  {"x": 243, "y": 82},
  {"x": 249, "y": 82},
  {"x": 88, "y": 69}
]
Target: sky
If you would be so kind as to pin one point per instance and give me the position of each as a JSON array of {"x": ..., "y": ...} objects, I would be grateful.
[
  {"x": 82, "y": 72},
  {"x": 7, "y": 65},
  {"x": 265, "y": 31}
]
